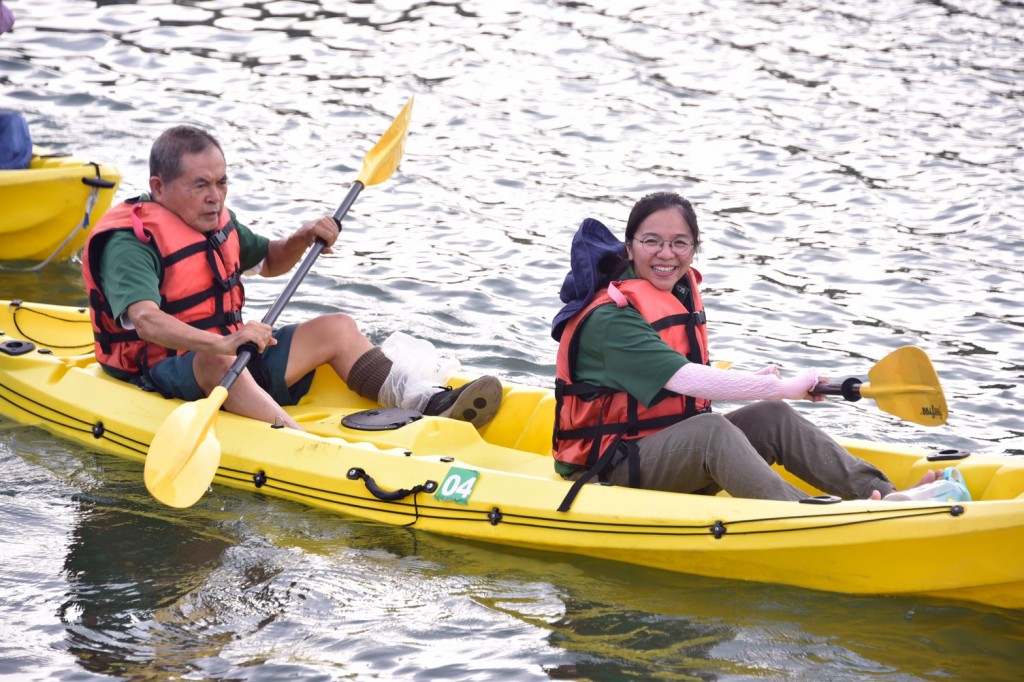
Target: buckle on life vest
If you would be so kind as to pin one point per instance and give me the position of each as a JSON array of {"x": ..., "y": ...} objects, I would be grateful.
[
  {"x": 218, "y": 237},
  {"x": 230, "y": 282}
]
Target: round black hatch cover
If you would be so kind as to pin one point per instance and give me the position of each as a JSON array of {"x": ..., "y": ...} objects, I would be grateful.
[{"x": 381, "y": 419}]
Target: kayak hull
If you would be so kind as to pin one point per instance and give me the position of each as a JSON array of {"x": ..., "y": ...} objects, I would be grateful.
[
  {"x": 497, "y": 484},
  {"x": 45, "y": 206}
]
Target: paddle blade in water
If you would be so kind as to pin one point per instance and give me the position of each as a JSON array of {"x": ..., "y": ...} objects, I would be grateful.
[
  {"x": 381, "y": 161},
  {"x": 185, "y": 453},
  {"x": 904, "y": 383}
]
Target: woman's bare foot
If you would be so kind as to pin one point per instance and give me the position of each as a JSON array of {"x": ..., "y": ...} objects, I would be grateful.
[{"x": 929, "y": 477}]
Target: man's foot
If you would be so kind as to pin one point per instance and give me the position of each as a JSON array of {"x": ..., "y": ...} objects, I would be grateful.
[{"x": 476, "y": 402}]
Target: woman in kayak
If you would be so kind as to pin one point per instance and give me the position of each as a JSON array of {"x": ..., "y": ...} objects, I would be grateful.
[
  {"x": 634, "y": 387},
  {"x": 164, "y": 276}
]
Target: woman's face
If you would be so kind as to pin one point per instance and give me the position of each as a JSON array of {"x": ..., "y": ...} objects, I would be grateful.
[{"x": 662, "y": 248}]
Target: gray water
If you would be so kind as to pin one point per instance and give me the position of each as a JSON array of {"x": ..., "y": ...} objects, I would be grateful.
[{"x": 857, "y": 168}]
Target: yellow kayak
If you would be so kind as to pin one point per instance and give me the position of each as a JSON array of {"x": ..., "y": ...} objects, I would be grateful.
[
  {"x": 497, "y": 484},
  {"x": 49, "y": 208}
]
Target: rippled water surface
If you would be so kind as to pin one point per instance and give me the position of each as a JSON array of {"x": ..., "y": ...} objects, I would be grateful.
[{"x": 858, "y": 172}]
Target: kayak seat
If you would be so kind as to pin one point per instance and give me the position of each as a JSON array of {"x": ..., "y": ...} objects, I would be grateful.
[
  {"x": 996, "y": 482},
  {"x": 985, "y": 479},
  {"x": 524, "y": 422},
  {"x": 536, "y": 434}
]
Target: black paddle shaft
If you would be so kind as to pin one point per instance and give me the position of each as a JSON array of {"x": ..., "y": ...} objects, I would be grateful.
[
  {"x": 849, "y": 389},
  {"x": 248, "y": 350}
]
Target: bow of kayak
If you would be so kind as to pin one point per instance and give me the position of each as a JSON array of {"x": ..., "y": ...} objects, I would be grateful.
[{"x": 50, "y": 206}]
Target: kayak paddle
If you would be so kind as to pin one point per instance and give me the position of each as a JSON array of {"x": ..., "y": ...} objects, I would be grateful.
[
  {"x": 185, "y": 453},
  {"x": 903, "y": 383}
]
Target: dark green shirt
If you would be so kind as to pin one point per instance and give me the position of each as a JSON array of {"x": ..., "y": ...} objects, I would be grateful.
[
  {"x": 130, "y": 269},
  {"x": 619, "y": 349}
]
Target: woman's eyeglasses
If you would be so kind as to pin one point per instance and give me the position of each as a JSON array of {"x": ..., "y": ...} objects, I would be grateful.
[{"x": 653, "y": 245}]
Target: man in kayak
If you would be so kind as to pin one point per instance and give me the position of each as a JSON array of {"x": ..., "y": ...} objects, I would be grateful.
[
  {"x": 634, "y": 387},
  {"x": 163, "y": 272}
]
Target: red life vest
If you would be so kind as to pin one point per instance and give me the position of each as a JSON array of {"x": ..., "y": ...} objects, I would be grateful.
[
  {"x": 591, "y": 420},
  {"x": 200, "y": 281}
]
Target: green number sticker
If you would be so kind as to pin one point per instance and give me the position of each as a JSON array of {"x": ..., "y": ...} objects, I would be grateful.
[{"x": 457, "y": 485}]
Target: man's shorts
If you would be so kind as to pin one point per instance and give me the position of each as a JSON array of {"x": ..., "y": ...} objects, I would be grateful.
[{"x": 174, "y": 377}]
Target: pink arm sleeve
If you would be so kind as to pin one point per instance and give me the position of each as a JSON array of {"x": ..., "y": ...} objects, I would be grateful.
[{"x": 701, "y": 381}]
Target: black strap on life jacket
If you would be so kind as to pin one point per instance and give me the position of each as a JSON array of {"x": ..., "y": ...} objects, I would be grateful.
[
  {"x": 696, "y": 318},
  {"x": 213, "y": 255},
  {"x": 106, "y": 339},
  {"x": 620, "y": 450},
  {"x": 103, "y": 337},
  {"x": 600, "y": 464},
  {"x": 221, "y": 319},
  {"x": 688, "y": 319},
  {"x": 631, "y": 427}
]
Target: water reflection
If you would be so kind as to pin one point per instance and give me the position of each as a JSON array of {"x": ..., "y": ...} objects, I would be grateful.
[
  {"x": 128, "y": 572},
  {"x": 608, "y": 622},
  {"x": 632, "y": 643},
  {"x": 60, "y": 283}
]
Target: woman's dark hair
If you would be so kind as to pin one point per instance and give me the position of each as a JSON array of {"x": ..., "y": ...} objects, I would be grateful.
[
  {"x": 659, "y": 201},
  {"x": 174, "y": 143}
]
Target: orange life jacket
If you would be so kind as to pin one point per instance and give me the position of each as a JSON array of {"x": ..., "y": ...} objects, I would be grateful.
[
  {"x": 591, "y": 420},
  {"x": 200, "y": 281}
]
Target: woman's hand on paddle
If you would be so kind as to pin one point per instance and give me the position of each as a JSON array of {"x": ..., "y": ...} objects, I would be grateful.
[{"x": 798, "y": 387}]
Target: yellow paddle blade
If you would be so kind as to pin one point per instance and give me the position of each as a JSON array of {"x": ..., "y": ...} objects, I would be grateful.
[
  {"x": 905, "y": 384},
  {"x": 381, "y": 161},
  {"x": 185, "y": 453}
]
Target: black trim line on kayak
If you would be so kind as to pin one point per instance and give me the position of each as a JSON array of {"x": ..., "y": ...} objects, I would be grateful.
[
  {"x": 421, "y": 511},
  {"x": 96, "y": 429}
]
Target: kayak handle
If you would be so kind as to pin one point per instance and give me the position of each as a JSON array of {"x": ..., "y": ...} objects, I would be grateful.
[
  {"x": 388, "y": 496},
  {"x": 101, "y": 183}
]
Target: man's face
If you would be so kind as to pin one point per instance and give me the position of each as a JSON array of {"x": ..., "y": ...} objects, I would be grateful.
[{"x": 197, "y": 195}]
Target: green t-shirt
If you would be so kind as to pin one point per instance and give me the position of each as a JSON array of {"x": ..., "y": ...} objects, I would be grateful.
[
  {"x": 130, "y": 269},
  {"x": 619, "y": 349}
]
